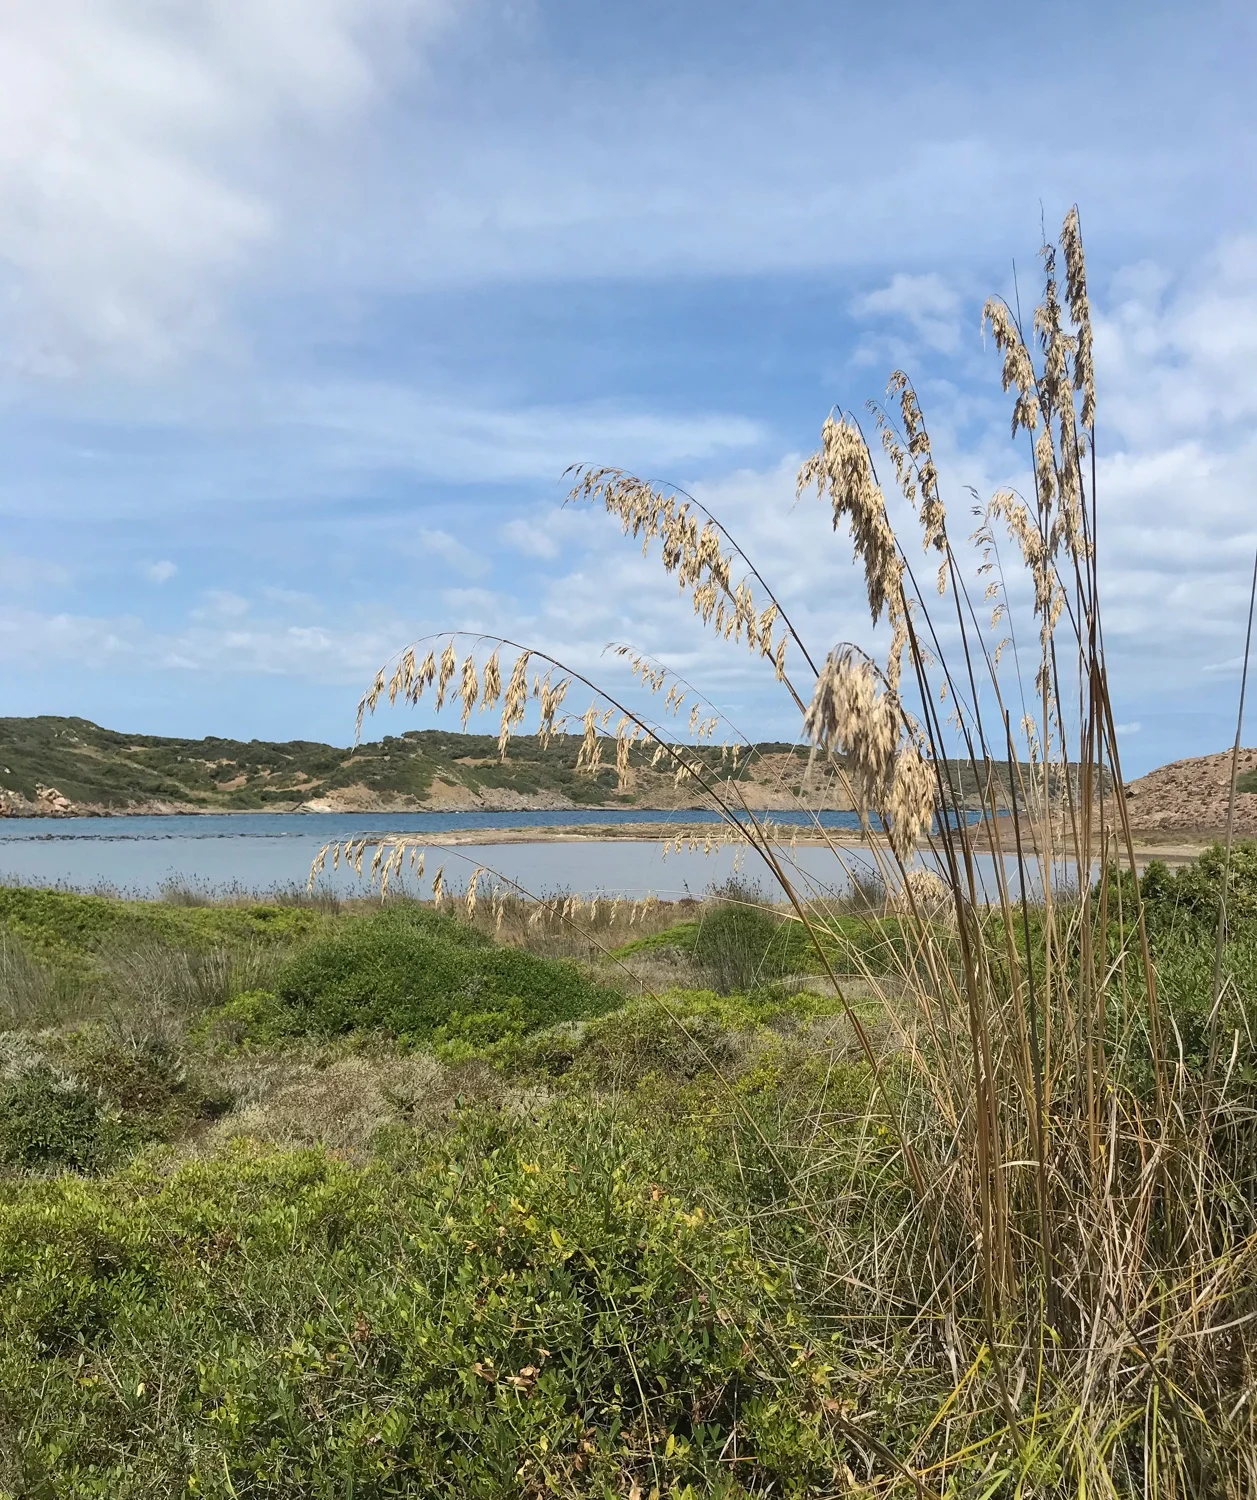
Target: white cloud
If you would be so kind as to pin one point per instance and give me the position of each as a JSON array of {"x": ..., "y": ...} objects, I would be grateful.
[
  {"x": 1177, "y": 358},
  {"x": 32, "y": 637},
  {"x": 292, "y": 598},
  {"x": 927, "y": 303},
  {"x": 161, "y": 572},
  {"x": 530, "y": 537},
  {"x": 374, "y": 424},
  {"x": 137, "y": 147},
  {"x": 435, "y": 543},
  {"x": 222, "y": 604},
  {"x": 316, "y": 653},
  {"x": 30, "y": 574}
]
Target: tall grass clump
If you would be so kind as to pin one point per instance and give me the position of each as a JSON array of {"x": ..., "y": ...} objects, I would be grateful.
[{"x": 1055, "y": 1263}]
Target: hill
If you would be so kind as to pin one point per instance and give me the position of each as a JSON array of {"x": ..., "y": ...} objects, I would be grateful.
[
  {"x": 64, "y": 765},
  {"x": 1188, "y": 798},
  {"x": 51, "y": 765}
]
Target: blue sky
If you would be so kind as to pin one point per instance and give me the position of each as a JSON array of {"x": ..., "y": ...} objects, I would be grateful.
[{"x": 306, "y": 304}]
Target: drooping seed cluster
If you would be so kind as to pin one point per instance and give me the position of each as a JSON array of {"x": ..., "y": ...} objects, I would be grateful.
[
  {"x": 393, "y": 853},
  {"x": 914, "y": 466},
  {"x": 842, "y": 472},
  {"x": 855, "y": 714},
  {"x": 1080, "y": 313},
  {"x": 856, "y": 710},
  {"x": 691, "y": 551}
]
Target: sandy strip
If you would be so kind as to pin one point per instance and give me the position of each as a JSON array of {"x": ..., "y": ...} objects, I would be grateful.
[{"x": 658, "y": 833}]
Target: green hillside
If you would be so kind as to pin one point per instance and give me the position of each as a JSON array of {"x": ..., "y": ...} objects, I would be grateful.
[{"x": 103, "y": 768}]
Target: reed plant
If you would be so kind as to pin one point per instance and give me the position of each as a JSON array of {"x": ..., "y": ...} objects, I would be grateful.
[{"x": 1062, "y": 1273}]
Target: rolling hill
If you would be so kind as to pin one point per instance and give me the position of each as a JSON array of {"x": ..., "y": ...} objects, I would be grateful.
[
  {"x": 1188, "y": 798},
  {"x": 50, "y": 765}
]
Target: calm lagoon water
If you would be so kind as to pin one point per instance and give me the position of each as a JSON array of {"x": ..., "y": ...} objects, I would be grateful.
[{"x": 265, "y": 851}]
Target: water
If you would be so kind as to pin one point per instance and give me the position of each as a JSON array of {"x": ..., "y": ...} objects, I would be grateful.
[{"x": 266, "y": 851}]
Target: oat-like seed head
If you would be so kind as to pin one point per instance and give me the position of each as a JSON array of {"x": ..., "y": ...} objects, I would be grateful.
[
  {"x": 449, "y": 665},
  {"x": 468, "y": 688},
  {"x": 491, "y": 691}
]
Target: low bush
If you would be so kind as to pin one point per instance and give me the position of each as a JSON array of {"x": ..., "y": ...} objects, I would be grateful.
[
  {"x": 1189, "y": 897},
  {"x": 82, "y": 1100},
  {"x": 507, "y": 1311},
  {"x": 421, "y": 977},
  {"x": 75, "y": 929},
  {"x": 740, "y": 945},
  {"x": 48, "y": 1120}
]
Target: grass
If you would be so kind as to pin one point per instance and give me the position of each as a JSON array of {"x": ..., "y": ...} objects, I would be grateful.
[{"x": 1065, "y": 1216}]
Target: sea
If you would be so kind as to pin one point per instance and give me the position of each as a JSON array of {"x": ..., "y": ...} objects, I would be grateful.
[{"x": 265, "y": 853}]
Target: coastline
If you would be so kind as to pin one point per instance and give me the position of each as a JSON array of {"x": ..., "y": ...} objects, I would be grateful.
[{"x": 1173, "y": 846}]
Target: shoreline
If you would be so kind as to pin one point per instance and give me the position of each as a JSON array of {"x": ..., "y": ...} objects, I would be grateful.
[
  {"x": 1178, "y": 847},
  {"x": 1154, "y": 845}
]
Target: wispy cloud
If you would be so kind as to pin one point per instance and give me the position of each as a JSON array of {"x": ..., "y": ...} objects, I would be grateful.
[
  {"x": 20, "y": 574},
  {"x": 531, "y": 537},
  {"x": 138, "y": 148},
  {"x": 926, "y": 303}
]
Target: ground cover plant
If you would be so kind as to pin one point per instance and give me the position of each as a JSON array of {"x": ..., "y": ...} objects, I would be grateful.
[
  {"x": 532, "y": 1253},
  {"x": 290, "y": 1365}
]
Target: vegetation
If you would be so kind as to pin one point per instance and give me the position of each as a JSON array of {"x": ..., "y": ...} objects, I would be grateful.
[
  {"x": 606, "y": 1246},
  {"x": 103, "y": 769},
  {"x": 951, "y": 1196},
  {"x": 534, "y": 1254},
  {"x": 417, "y": 976},
  {"x": 1070, "y": 1168}
]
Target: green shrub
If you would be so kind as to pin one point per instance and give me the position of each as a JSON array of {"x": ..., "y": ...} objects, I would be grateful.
[
  {"x": 1181, "y": 910},
  {"x": 1189, "y": 897},
  {"x": 76, "y": 929},
  {"x": 83, "y": 1100},
  {"x": 509, "y": 1311},
  {"x": 49, "y": 1120},
  {"x": 422, "y": 977},
  {"x": 740, "y": 946}
]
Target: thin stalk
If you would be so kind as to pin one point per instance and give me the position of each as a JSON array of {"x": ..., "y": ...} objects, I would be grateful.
[{"x": 1230, "y": 809}]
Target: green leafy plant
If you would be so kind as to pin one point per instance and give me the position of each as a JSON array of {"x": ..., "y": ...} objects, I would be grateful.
[{"x": 414, "y": 973}]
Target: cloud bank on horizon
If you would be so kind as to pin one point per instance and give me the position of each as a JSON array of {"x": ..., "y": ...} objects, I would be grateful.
[{"x": 305, "y": 308}]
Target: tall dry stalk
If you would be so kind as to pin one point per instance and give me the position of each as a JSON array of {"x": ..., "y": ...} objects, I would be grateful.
[{"x": 1078, "y": 1253}]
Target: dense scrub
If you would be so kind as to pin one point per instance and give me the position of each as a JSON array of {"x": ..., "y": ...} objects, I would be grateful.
[
  {"x": 105, "y": 768},
  {"x": 506, "y": 1309},
  {"x": 391, "y": 1208},
  {"x": 417, "y": 975},
  {"x": 535, "y": 1265}
]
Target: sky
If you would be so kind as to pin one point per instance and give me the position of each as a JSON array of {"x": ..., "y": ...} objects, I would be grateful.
[{"x": 306, "y": 305}]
